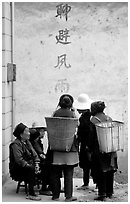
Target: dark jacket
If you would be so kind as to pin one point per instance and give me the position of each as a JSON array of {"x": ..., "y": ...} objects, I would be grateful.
[
  {"x": 20, "y": 155},
  {"x": 100, "y": 161},
  {"x": 64, "y": 112},
  {"x": 38, "y": 146},
  {"x": 83, "y": 139}
]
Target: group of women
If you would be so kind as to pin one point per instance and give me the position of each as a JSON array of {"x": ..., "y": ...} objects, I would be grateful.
[{"x": 25, "y": 158}]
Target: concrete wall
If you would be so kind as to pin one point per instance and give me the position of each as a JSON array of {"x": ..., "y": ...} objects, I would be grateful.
[
  {"x": 7, "y": 87},
  {"x": 97, "y": 55}
]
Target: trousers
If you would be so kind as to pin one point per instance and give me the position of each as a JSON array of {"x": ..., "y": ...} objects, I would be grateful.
[
  {"x": 105, "y": 183},
  {"x": 67, "y": 171},
  {"x": 86, "y": 175},
  {"x": 29, "y": 176},
  {"x": 45, "y": 175}
]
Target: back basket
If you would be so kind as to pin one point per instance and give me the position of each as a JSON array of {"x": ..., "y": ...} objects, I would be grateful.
[
  {"x": 110, "y": 136},
  {"x": 61, "y": 132}
]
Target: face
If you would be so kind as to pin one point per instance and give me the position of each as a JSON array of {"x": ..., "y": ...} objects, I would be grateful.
[
  {"x": 42, "y": 133},
  {"x": 26, "y": 134}
]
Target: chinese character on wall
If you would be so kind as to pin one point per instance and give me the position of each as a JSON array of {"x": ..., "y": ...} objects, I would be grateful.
[
  {"x": 63, "y": 10},
  {"x": 62, "y": 86},
  {"x": 62, "y": 61},
  {"x": 63, "y": 37}
]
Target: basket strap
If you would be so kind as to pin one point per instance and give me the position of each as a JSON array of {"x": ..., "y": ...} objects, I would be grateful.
[
  {"x": 97, "y": 119},
  {"x": 63, "y": 138}
]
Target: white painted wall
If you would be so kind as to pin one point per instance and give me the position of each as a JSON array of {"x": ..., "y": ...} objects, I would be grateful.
[{"x": 98, "y": 55}]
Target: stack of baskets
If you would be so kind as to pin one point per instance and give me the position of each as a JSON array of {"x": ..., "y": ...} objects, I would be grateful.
[
  {"x": 110, "y": 136},
  {"x": 61, "y": 132}
]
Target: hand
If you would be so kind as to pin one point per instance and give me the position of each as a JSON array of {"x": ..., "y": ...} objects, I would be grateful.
[
  {"x": 37, "y": 168},
  {"x": 29, "y": 166},
  {"x": 42, "y": 156}
]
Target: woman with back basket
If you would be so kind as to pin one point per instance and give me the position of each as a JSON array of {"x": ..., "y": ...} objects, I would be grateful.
[
  {"x": 64, "y": 161},
  {"x": 103, "y": 164}
]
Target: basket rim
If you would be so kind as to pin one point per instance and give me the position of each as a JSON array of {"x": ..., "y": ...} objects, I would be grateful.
[
  {"x": 62, "y": 139},
  {"x": 99, "y": 124},
  {"x": 64, "y": 118}
]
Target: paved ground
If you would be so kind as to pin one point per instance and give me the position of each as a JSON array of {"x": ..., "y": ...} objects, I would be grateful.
[
  {"x": 9, "y": 192},
  {"x": 88, "y": 195}
]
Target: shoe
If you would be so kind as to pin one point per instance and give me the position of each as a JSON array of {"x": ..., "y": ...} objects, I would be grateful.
[
  {"x": 110, "y": 196},
  {"x": 48, "y": 188},
  {"x": 100, "y": 198},
  {"x": 48, "y": 193},
  {"x": 33, "y": 197},
  {"x": 70, "y": 199},
  {"x": 55, "y": 199},
  {"x": 95, "y": 189},
  {"x": 83, "y": 187}
]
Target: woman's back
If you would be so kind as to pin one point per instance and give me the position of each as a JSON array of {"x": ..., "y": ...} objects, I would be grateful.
[
  {"x": 69, "y": 158},
  {"x": 64, "y": 112}
]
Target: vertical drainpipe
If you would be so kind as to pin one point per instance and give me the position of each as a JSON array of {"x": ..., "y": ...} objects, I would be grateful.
[{"x": 12, "y": 60}]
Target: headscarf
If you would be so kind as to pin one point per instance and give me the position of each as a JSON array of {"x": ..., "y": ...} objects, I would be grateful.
[
  {"x": 19, "y": 129},
  {"x": 97, "y": 107},
  {"x": 71, "y": 98},
  {"x": 66, "y": 101}
]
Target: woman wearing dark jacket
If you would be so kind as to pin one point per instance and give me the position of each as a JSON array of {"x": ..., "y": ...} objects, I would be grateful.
[
  {"x": 82, "y": 105},
  {"x": 64, "y": 161},
  {"x": 35, "y": 139},
  {"x": 24, "y": 161},
  {"x": 103, "y": 164}
]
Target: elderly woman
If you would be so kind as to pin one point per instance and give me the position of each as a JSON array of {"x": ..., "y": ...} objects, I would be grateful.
[
  {"x": 103, "y": 164},
  {"x": 24, "y": 161},
  {"x": 64, "y": 161}
]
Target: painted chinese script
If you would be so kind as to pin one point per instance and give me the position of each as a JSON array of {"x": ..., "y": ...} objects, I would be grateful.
[
  {"x": 62, "y": 86},
  {"x": 62, "y": 61},
  {"x": 63, "y": 10},
  {"x": 63, "y": 37}
]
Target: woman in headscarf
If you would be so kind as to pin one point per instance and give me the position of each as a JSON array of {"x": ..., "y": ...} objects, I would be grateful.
[
  {"x": 103, "y": 164},
  {"x": 64, "y": 161},
  {"x": 24, "y": 161}
]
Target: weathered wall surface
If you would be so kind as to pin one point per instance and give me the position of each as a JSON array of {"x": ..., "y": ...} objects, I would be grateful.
[
  {"x": 96, "y": 57},
  {"x": 7, "y": 86}
]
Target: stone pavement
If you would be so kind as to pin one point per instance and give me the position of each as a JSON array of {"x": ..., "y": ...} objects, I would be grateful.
[{"x": 9, "y": 192}]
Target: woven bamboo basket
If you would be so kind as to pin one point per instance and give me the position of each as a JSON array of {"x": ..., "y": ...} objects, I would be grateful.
[
  {"x": 61, "y": 132},
  {"x": 110, "y": 136}
]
